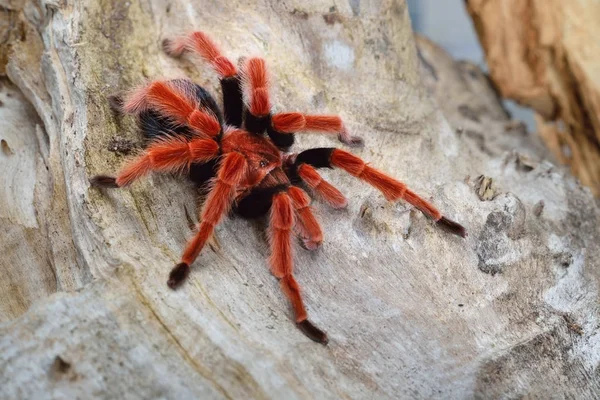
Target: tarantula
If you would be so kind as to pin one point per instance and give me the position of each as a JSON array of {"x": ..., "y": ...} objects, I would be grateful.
[{"x": 241, "y": 158}]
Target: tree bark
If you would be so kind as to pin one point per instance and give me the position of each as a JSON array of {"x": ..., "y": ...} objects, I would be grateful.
[
  {"x": 546, "y": 55},
  {"x": 410, "y": 310}
]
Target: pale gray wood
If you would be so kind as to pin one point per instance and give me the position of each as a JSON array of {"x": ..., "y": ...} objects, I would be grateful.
[{"x": 411, "y": 311}]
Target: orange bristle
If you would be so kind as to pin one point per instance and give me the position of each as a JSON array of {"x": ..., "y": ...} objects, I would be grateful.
[
  {"x": 221, "y": 193},
  {"x": 282, "y": 213},
  {"x": 322, "y": 188},
  {"x": 306, "y": 218},
  {"x": 170, "y": 102},
  {"x": 299, "y": 197},
  {"x": 324, "y": 123},
  {"x": 331, "y": 195},
  {"x": 288, "y": 122},
  {"x": 203, "y": 150},
  {"x": 256, "y": 73},
  {"x": 219, "y": 200},
  {"x": 292, "y": 290},
  {"x": 136, "y": 169},
  {"x": 281, "y": 223},
  {"x": 204, "y": 45},
  {"x": 233, "y": 170},
  {"x": 347, "y": 161},
  {"x": 170, "y": 155},
  {"x": 204, "y": 122},
  {"x": 256, "y": 77},
  {"x": 201, "y": 44},
  {"x": 391, "y": 188},
  {"x": 135, "y": 101},
  {"x": 194, "y": 247},
  {"x": 224, "y": 67},
  {"x": 259, "y": 102},
  {"x": 421, "y": 204}
]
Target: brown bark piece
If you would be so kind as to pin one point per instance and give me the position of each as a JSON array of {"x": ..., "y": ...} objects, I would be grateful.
[{"x": 545, "y": 54}]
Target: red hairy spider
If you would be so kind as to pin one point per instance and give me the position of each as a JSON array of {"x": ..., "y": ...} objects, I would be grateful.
[{"x": 241, "y": 158}]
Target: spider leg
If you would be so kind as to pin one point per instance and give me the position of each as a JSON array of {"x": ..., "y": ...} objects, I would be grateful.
[
  {"x": 391, "y": 188},
  {"x": 172, "y": 154},
  {"x": 232, "y": 170},
  {"x": 281, "y": 261},
  {"x": 202, "y": 45},
  {"x": 288, "y": 123},
  {"x": 172, "y": 101},
  {"x": 281, "y": 127},
  {"x": 259, "y": 201},
  {"x": 255, "y": 81},
  {"x": 307, "y": 225},
  {"x": 326, "y": 191}
]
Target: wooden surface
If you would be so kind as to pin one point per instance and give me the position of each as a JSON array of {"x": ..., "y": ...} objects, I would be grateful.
[
  {"x": 546, "y": 55},
  {"x": 411, "y": 312}
]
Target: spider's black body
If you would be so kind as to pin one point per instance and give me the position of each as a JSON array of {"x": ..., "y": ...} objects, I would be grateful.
[
  {"x": 239, "y": 155},
  {"x": 258, "y": 201}
]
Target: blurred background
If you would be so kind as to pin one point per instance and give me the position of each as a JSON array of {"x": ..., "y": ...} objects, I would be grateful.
[{"x": 448, "y": 24}]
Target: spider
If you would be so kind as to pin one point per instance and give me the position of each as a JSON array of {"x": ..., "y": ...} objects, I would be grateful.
[{"x": 240, "y": 157}]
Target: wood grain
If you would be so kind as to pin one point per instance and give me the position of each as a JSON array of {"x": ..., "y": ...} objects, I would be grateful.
[{"x": 411, "y": 312}]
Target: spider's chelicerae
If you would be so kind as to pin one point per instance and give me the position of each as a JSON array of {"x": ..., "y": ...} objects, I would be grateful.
[{"x": 241, "y": 157}]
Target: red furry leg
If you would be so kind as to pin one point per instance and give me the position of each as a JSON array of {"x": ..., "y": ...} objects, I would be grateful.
[
  {"x": 256, "y": 80},
  {"x": 282, "y": 222},
  {"x": 306, "y": 223},
  {"x": 281, "y": 261},
  {"x": 168, "y": 155},
  {"x": 172, "y": 102},
  {"x": 392, "y": 189},
  {"x": 232, "y": 170},
  {"x": 133, "y": 103},
  {"x": 201, "y": 44},
  {"x": 322, "y": 188},
  {"x": 297, "y": 122}
]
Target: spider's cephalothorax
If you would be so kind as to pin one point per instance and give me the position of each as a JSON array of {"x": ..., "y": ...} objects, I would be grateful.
[{"x": 243, "y": 153}]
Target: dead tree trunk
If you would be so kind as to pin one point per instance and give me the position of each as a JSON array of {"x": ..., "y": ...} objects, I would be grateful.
[
  {"x": 411, "y": 311},
  {"x": 546, "y": 55}
]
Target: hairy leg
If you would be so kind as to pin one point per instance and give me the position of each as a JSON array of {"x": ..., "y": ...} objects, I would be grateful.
[
  {"x": 327, "y": 192},
  {"x": 281, "y": 261},
  {"x": 200, "y": 44},
  {"x": 306, "y": 223},
  {"x": 231, "y": 171},
  {"x": 391, "y": 188},
  {"x": 288, "y": 123},
  {"x": 281, "y": 127},
  {"x": 172, "y": 154}
]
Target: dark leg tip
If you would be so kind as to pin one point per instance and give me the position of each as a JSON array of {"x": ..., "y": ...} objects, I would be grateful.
[
  {"x": 352, "y": 141},
  {"x": 170, "y": 50},
  {"x": 104, "y": 181},
  {"x": 178, "y": 275},
  {"x": 166, "y": 45},
  {"x": 453, "y": 227},
  {"x": 312, "y": 332},
  {"x": 115, "y": 102},
  {"x": 310, "y": 245}
]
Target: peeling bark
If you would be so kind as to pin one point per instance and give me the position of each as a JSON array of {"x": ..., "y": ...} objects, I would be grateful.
[
  {"x": 411, "y": 311},
  {"x": 544, "y": 55}
]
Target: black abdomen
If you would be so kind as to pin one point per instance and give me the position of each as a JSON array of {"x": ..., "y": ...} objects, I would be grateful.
[{"x": 154, "y": 126}]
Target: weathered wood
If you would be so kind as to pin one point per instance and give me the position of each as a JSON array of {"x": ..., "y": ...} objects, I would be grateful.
[
  {"x": 411, "y": 311},
  {"x": 546, "y": 55}
]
